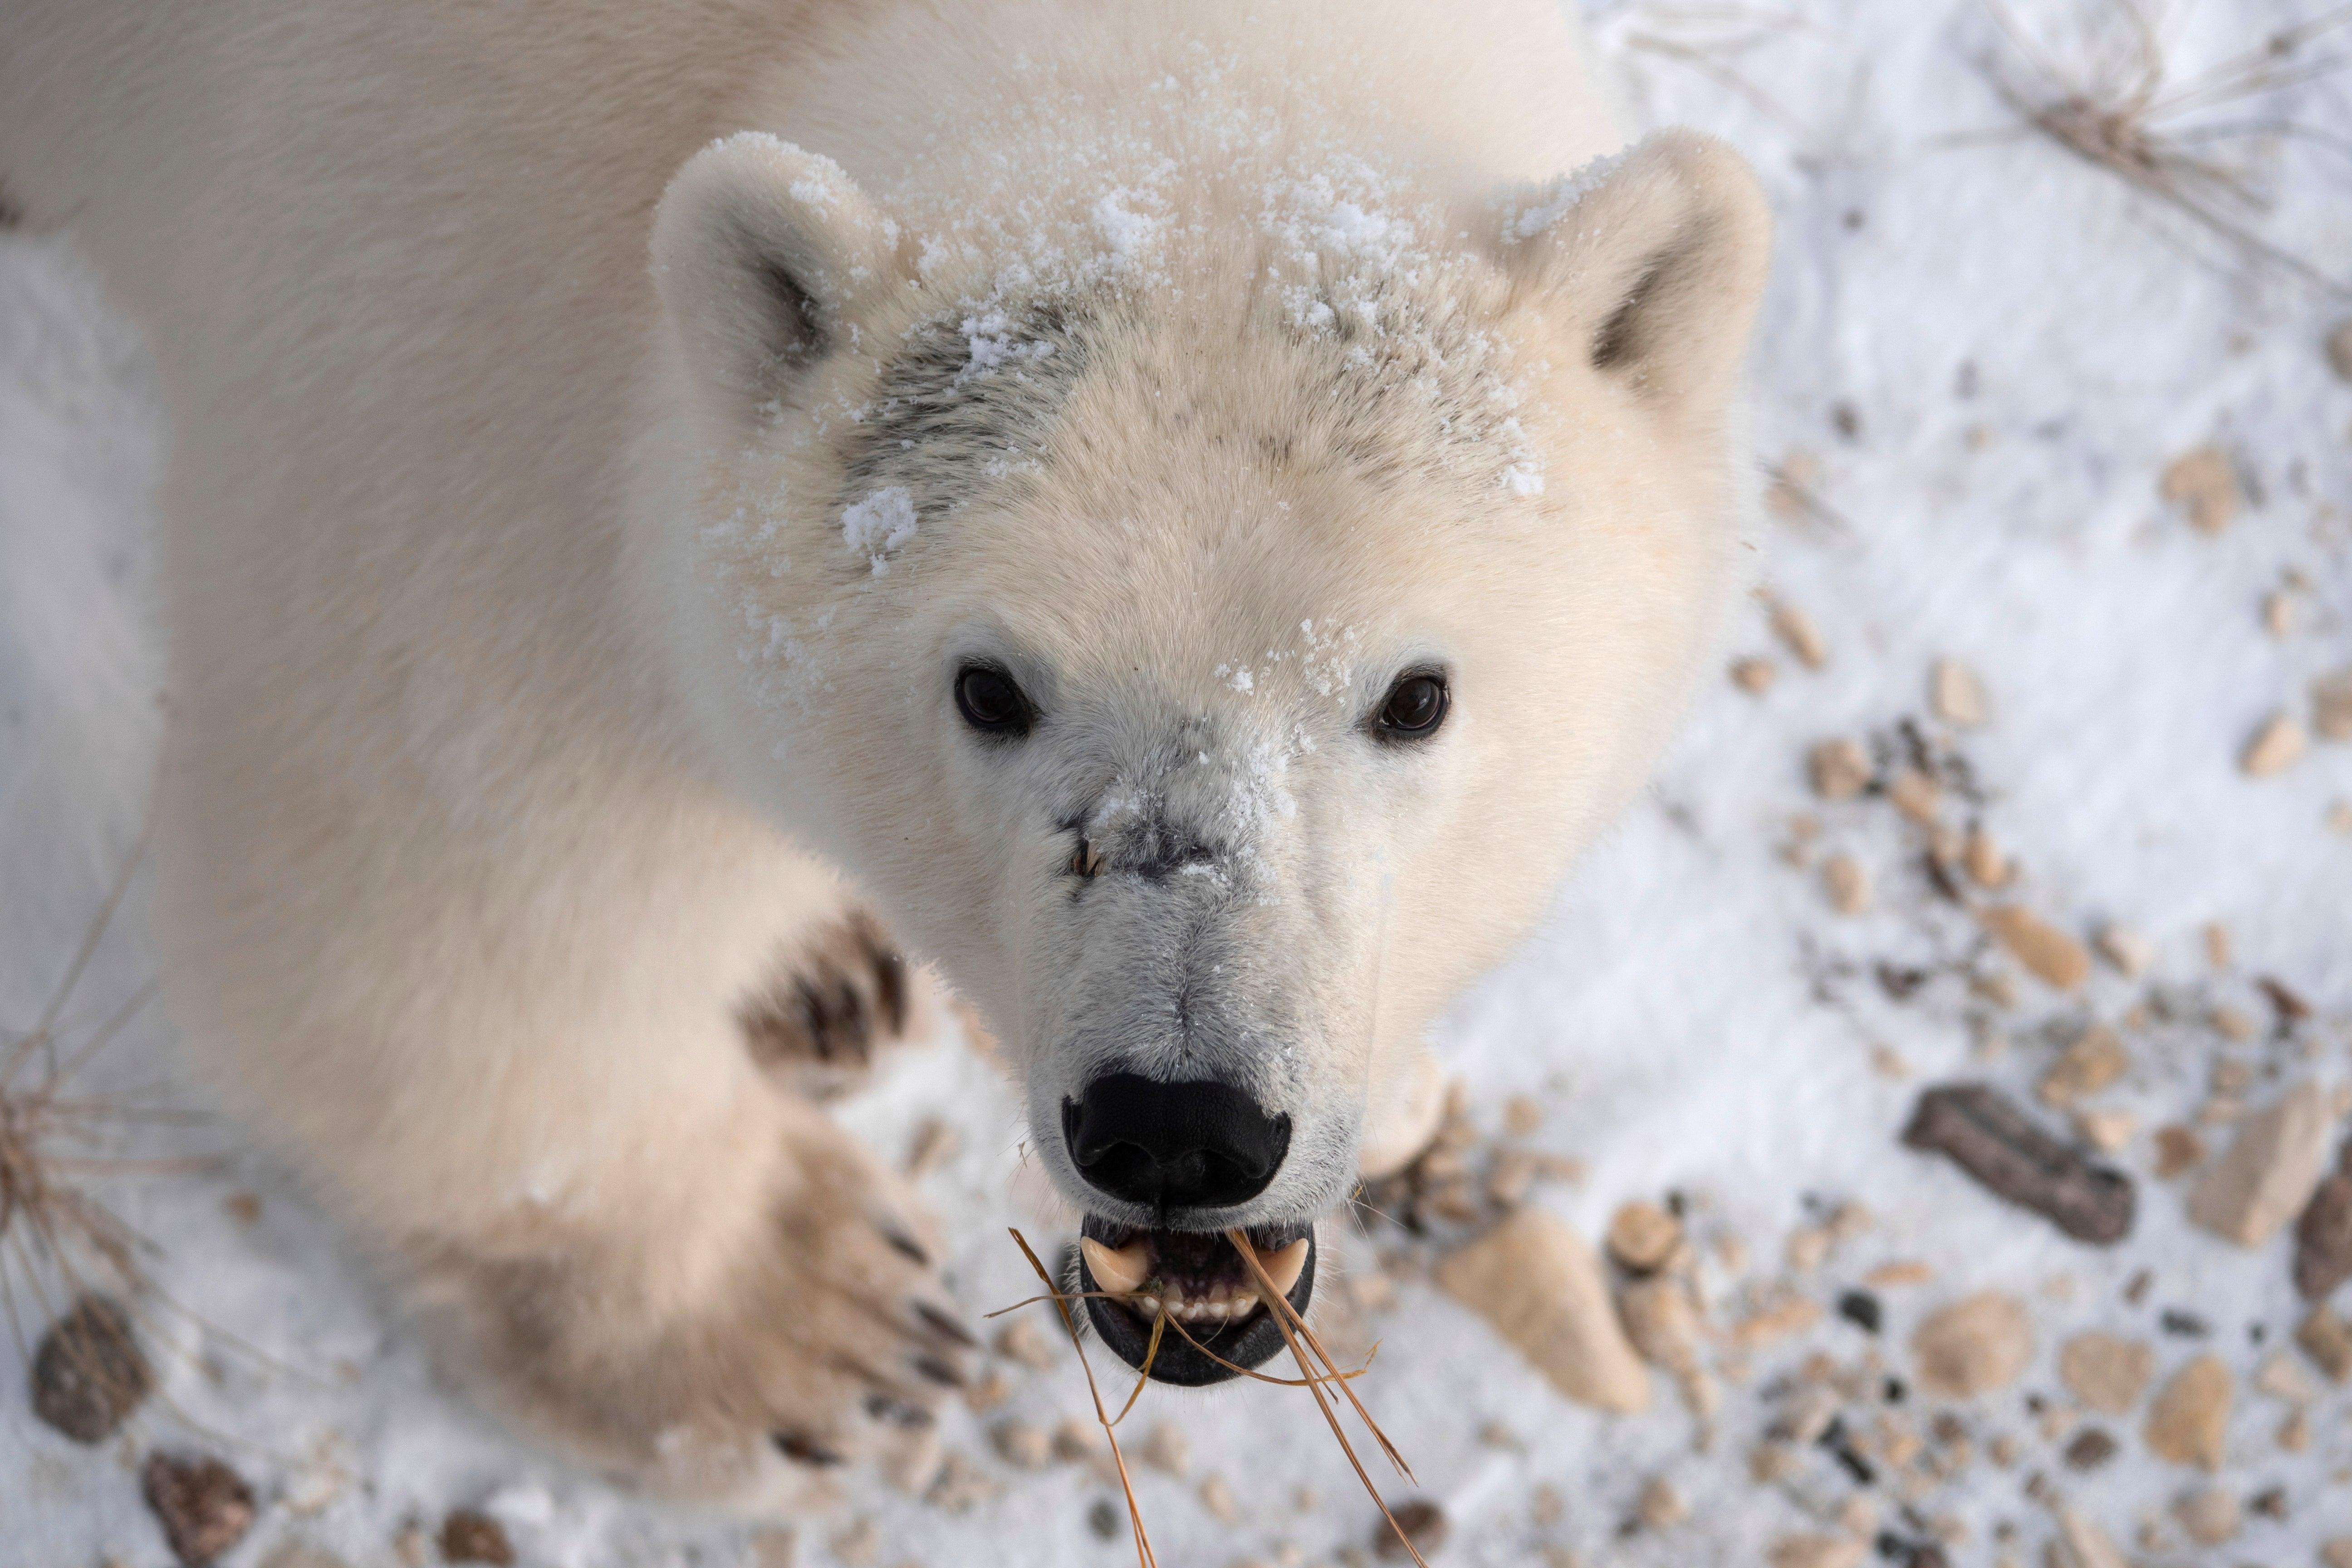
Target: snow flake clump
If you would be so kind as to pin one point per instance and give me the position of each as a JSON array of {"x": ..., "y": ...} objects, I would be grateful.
[
  {"x": 989, "y": 339},
  {"x": 879, "y": 524},
  {"x": 1561, "y": 198},
  {"x": 1129, "y": 232}
]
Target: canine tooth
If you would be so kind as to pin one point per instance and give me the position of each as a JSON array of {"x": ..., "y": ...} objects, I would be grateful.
[
  {"x": 1283, "y": 1269},
  {"x": 1121, "y": 1272}
]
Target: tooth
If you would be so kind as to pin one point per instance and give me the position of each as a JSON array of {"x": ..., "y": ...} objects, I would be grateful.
[
  {"x": 1122, "y": 1272},
  {"x": 1283, "y": 1269}
]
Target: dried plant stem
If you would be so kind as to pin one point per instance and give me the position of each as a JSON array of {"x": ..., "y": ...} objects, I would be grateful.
[
  {"x": 1134, "y": 1514},
  {"x": 1285, "y": 1316}
]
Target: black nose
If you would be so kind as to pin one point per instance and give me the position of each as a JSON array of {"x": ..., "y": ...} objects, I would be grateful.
[{"x": 1173, "y": 1145}]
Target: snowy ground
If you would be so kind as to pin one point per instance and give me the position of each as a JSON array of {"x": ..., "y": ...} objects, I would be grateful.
[{"x": 1979, "y": 355}]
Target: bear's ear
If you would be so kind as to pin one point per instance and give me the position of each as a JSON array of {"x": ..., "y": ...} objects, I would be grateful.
[
  {"x": 1654, "y": 262},
  {"x": 761, "y": 253}
]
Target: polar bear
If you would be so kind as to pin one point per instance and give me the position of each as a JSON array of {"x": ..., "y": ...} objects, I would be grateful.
[{"x": 1181, "y": 515}]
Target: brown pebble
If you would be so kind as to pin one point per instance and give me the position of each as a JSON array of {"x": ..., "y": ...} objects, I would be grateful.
[
  {"x": 2190, "y": 1416},
  {"x": 1166, "y": 1447},
  {"x": 2128, "y": 950},
  {"x": 1957, "y": 695},
  {"x": 1818, "y": 1551},
  {"x": 1421, "y": 1522},
  {"x": 2206, "y": 483},
  {"x": 2277, "y": 746},
  {"x": 2328, "y": 1340},
  {"x": 2294, "y": 1432},
  {"x": 2053, "y": 955},
  {"x": 2337, "y": 1553},
  {"x": 1916, "y": 796},
  {"x": 1522, "y": 1116},
  {"x": 89, "y": 1373},
  {"x": 2090, "y": 1448},
  {"x": 2217, "y": 944},
  {"x": 1642, "y": 1236},
  {"x": 1539, "y": 1284},
  {"x": 2323, "y": 1236},
  {"x": 2105, "y": 1372},
  {"x": 1973, "y": 1346},
  {"x": 204, "y": 1507},
  {"x": 1795, "y": 628},
  {"x": 1023, "y": 1340},
  {"x": 2208, "y": 1518},
  {"x": 2094, "y": 1060},
  {"x": 1986, "y": 865},
  {"x": 2331, "y": 706},
  {"x": 2272, "y": 1166},
  {"x": 987, "y": 1393},
  {"x": 2176, "y": 1149},
  {"x": 1847, "y": 884},
  {"x": 1022, "y": 1446},
  {"x": 1753, "y": 675},
  {"x": 2105, "y": 1131},
  {"x": 1660, "y": 1506},
  {"x": 2339, "y": 360},
  {"x": 1991, "y": 1138},
  {"x": 468, "y": 1536},
  {"x": 1891, "y": 1275},
  {"x": 1840, "y": 769}
]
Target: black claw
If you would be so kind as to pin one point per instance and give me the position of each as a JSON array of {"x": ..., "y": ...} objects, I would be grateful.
[
  {"x": 804, "y": 1450},
  {"x": 905, "y": 1246},
  {"x": 945, "y": 1325},
  {"x": 940, "y": 1371},
  {"x": 898, "y": 1412}
]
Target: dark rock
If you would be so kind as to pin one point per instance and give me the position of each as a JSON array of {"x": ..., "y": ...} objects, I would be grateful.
[
  {"x": 90, "y": 1373},
  {"x": 2269, "y": 1503},
  {"x": 2090, "y": 1448},
  {"x": 204, "y": 1509},
  {"x": 2323, "y": 1236},
  {"x": 470, "y": 1537},
  {"x": 1423, "y": 1523},
  {"x": 2184, "y": 1325},
  {"x": 1103, "y": 1519},
  {"x": 1985, "y": 1133},
  {"x": 1860, "y": 1308}
]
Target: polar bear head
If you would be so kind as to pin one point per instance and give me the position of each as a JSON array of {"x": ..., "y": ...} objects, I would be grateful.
[{"x": 1206, "y": 619}]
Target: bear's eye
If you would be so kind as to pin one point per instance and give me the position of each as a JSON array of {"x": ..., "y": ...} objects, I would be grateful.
[
  {"x": 991, "y": 703},
  {"x": 1415, "y": 707}
]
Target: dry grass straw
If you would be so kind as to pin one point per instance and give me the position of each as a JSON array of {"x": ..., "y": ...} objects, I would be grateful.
[
  {"x": 1285, "y": 1319},
  {"x": 2121, "y": 116},
  {"x": 54, "y": 1233}
]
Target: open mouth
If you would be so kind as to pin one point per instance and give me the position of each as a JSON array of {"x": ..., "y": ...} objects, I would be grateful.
[{"x": 1198, "y": 1281}]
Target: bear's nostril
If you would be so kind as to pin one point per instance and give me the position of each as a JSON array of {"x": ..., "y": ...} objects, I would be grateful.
[{"x": 1173, "y": 1145}]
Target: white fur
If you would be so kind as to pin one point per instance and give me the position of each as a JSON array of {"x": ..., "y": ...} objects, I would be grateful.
[{"x": 538, "y": 678}]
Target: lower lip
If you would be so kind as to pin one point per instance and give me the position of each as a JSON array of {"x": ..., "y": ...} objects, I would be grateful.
[{"x": 1250, "y": 1342}]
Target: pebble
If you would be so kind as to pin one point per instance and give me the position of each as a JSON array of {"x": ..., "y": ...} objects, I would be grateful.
[
  {"x": 468, "y": 1536},
  {"x": 1818, "y": 1551},
  {"x": 1511, "y": 1176},
  {"x": 1957, "y": 695},
  {"x": 2337, "y": 1553},
  {"x": 1166, "y": 1447},
  {"x": 987, "y": 1393},
  {"x": 1790, "y": 1316},
  {"x": 1661, "y": 1507},
  {"x": 961, "y": 1485},
  {"x": 1075, "y": 1441},
  {"x": 1217, "y": 1497},
  {"x": 2094, "y": 1060},
  {"x": 2331, "y": 706},
  {"x": 2081, "y": 1544},
  {"x": 2330, "y": 1341},
  {"x": 1022, "y": 1446},
  {"x": 1840, "y": 769},
  {"x": 1423, "y": 1524},
  {"x": 2090, "y": 1448},
  {"x": 2323, "y": 1236},
  {"x": 1916, "y": 796},
  {"x": 1795, "y": 628},
  {"x": 2209, "y": 1517},
  {"x": 1992, "y": 1138},
  {"x": 2205, "y": 481},
  {"x": 1846, "y": 883},
  {"x": 1986, "y": 865},
  {"x": 2235, "y": 1025},
  {"x": 1808, "y": 1249},
  {"x": 2277, "y": 746},
  {"x": 1522, "y": 1116},
  {"x": 1023, "y": 1342},
  {"x": 1893, "y": 1276},
  {"x": 1539, "y": 1286},
  {"x": 1753, "y": 675},
  {"x": 2272, "y": 1166},
  {"x": 2105, "y": 1372},
  {"x": 1973, "y": 1346},
  {"x": 2339, "y": 360},
  {"x": 2053, "y": 955},
  {"x": 775, "y": 1547},
  {"x": 2130, "y": 952},
  {"x": 204, "y": 1506},
  {"x": 2176, "y": 1149},
  {"x": 89, "y": 1373},
  {"x": 2281, "y": 1377},
  {"x": 1642, "y": 1236},
  {"x": 2105, "y": 1131},
  {"x": 2190, "y": 1416},
  {"x": 1662, "y": 1322}
]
